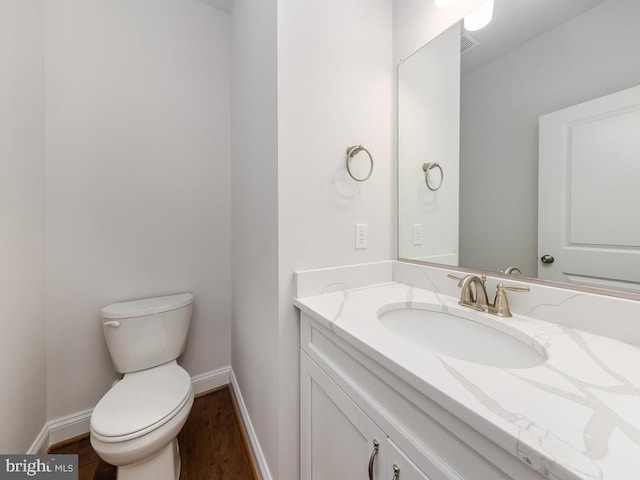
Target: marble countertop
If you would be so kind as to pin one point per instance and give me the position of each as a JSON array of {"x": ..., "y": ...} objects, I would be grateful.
[{"x": 575, "y": 416}]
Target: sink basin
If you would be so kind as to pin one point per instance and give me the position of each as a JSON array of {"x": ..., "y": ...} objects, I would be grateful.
[{"x": 456, "y": 335}]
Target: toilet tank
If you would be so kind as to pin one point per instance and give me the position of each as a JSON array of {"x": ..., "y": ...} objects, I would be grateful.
[{"x": 146, "y": 333}]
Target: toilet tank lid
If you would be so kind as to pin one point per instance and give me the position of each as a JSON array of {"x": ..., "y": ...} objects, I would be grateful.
[{"x": 147, "y": 306}]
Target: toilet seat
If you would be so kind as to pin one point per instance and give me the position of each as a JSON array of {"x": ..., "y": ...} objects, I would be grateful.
[{"x": 141, "y": 402}]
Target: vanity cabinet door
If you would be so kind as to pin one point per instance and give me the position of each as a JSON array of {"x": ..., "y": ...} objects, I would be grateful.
[
  {"x": 399, "y": 467},
  {"x": 336, "y": 437}
]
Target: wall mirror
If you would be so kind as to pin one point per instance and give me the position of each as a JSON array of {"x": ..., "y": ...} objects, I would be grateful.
[{"x": 521, "y": 141}]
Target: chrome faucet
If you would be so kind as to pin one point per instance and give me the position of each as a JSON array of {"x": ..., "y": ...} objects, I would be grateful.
[{"x": 477, "y": 298}]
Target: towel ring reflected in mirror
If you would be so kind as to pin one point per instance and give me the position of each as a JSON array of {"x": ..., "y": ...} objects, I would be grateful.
[
  {"x": 427, "y": 167},
  {"x": 352, "y": 152}
]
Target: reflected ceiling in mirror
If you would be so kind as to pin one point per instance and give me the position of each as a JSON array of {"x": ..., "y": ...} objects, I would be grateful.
[{"x": 477, "y": 116}]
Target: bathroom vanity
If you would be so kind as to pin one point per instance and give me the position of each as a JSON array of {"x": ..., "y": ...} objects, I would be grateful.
[{"x": 552, "y": 392}]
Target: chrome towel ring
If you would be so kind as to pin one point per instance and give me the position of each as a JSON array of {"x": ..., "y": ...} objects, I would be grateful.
[
  {"x": 427, "y": 167},
  {"x": 352, "y": 152}
]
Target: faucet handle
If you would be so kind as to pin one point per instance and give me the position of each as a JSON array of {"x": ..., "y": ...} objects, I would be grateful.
[
  {"x": 514, "y": 288},
  {"x": 500, "y": 305}
]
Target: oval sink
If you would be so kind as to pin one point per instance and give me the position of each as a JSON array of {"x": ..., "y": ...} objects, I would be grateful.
[{"x": 460, "y": 337}]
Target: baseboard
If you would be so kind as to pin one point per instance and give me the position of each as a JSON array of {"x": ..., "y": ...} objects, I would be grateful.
[
  {"x": 64, "y": 428},
  {"x": 71, "y": 426},
  {"x": 210, "y": 380},
  {"x": 41, "y": 443},
  {"x": 258, "y": 454}
]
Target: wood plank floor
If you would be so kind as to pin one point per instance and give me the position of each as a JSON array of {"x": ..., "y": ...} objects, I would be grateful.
[{"x": 212, "y": 446}]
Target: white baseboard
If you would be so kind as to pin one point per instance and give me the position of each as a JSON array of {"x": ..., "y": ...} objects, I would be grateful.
[
  {"x": 71, "y": 426},
  {"x": 65, "y": 428},
  {"x": 41, "y": 443},
  {"x": 258, "y": 454},
  {"x": 210, "y": 380}
]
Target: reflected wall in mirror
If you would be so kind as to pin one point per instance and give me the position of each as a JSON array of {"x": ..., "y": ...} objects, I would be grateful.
[{"x": 534, "y": 61}]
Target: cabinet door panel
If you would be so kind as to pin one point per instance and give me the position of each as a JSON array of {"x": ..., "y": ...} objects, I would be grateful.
[
  {"x": 337, "y": 438},
  {"x": 407, "y": 469}
]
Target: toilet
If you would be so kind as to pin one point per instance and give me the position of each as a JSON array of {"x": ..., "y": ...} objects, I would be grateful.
[{"x": 135, "y": 424}]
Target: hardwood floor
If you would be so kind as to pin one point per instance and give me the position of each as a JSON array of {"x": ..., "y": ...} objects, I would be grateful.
[{"x": 212, "y": 446}]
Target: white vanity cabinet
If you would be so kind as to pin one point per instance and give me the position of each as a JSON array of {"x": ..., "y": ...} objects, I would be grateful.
[
  {"x": 339, "y": 439},
  {"x": 348, "y": 401},
  {"x": 400, "y": 467}
]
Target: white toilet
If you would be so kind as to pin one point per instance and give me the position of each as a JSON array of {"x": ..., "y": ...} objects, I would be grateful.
[{"x": 135, "y": 424}]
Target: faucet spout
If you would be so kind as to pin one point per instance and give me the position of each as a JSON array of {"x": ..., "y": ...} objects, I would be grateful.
[
  {"x": 512, "y": 270},
  {"x": 475, "y": 297}
]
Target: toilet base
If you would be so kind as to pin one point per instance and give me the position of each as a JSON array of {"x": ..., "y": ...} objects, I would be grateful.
[{"x": 164, "y": 465}]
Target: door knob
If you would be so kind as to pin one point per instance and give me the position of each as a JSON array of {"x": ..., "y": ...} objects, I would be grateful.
[{"x": 548, "y": 259}]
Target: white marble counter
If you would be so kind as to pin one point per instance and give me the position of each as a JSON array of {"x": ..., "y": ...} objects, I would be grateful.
[{"x": 575, "y": 416}]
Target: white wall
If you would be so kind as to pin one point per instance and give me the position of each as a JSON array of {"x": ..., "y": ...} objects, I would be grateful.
[
  {"x": 22, "y": 342},
  {"x": 293, "y": 205},
  {"x": 137, "y": 179},
  {"x": 429, "y": 131},
  {"x": 254, "y": 339},
  {"x": 590, "y": 56},
  {"x": 335, "y": 89}
]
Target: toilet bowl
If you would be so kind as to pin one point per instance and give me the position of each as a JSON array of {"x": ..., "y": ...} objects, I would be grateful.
[{"x": 136, "y": 423}]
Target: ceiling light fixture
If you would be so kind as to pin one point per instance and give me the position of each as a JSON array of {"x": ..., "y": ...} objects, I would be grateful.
[{"x": 480, "y": 17}]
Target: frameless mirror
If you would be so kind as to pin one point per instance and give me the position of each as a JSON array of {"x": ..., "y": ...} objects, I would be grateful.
[{"x": 520, "y": 142}]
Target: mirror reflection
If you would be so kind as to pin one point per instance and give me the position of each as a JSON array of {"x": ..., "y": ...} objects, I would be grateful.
[{"x": 533, "y": 123}]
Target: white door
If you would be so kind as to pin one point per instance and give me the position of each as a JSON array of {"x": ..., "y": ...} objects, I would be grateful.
[
  {"x": 338, "y": 440},
  {"x": 589, "y": 193}
]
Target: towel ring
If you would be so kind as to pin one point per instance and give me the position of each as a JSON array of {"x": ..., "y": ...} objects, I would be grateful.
[
  {"x": 427, "y": 167},
  {"x": 352, "y": 152}
]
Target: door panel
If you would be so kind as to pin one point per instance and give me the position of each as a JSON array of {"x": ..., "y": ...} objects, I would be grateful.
[
  {"x": 337, "y": 438},
  {"x": 589, "y": 192},
  {"x": 405, "y": 469}
]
